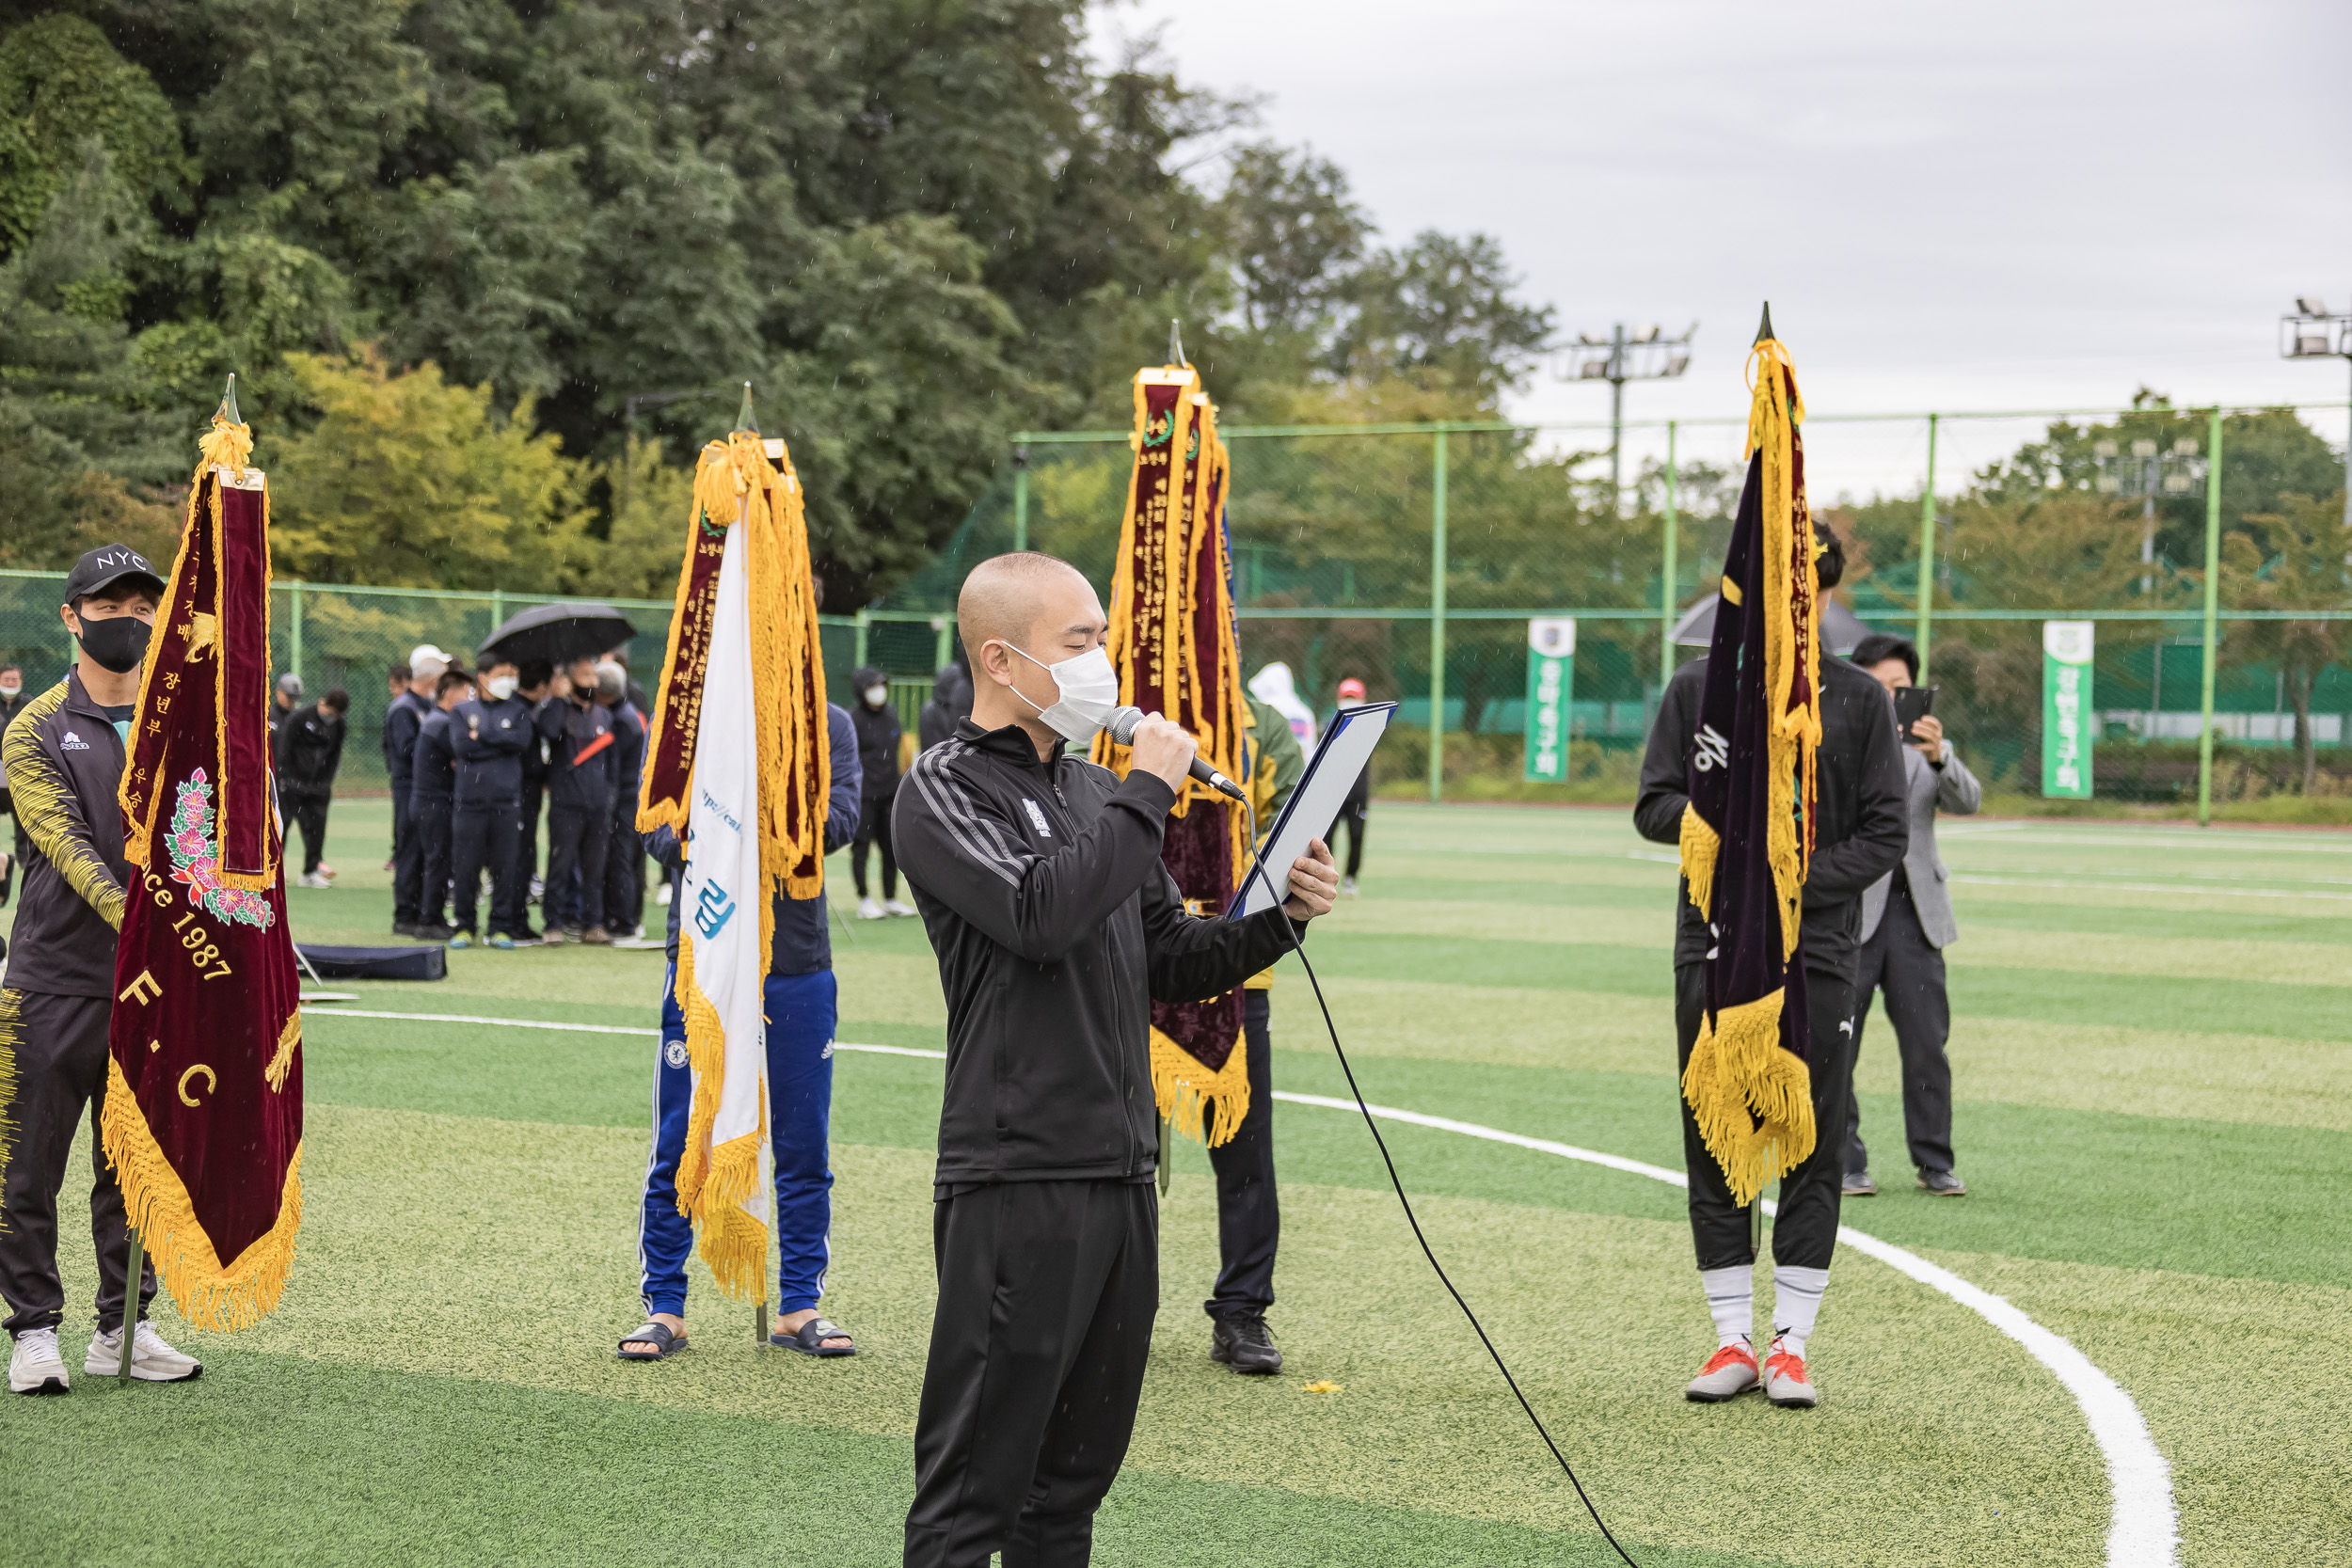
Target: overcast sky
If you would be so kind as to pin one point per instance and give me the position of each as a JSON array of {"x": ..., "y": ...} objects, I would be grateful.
[{"x": 1992, "y": 205}]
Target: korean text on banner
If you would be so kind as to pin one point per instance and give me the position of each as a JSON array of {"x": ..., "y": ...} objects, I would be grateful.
[
  {"x": 2067, "y": 715},
  {"x": 1550, "y": 676}
]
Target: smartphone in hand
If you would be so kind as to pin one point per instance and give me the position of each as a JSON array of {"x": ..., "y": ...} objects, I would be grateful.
[{"x": 1912, "y": 703}]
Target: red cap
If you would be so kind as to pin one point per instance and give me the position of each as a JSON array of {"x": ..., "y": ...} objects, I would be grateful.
[{"x": 1352, "y": 690}]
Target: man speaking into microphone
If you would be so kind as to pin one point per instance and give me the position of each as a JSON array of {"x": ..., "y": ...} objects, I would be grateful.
[{"x": 1057, "y": 926}]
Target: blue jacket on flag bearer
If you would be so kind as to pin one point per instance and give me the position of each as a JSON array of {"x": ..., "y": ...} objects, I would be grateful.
[
  {"x": 750, "y": 778},
  {"x": 1779, "y": 775}
]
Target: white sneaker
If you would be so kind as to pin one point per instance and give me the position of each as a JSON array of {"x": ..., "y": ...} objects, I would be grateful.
[
  {"x": 35, "y": 1367},
  {"x": 1347, "y": 887},
  {"x": 662, "y": 897},
  {"x": 315, "y": 878},
  {"x": 897, "y": 907},
  {"x": 151, "y": 1360},
  {"x": 868, "y": 910}
]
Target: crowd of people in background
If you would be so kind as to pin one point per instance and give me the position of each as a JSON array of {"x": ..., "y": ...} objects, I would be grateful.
[{"x": 476, "y": 759}]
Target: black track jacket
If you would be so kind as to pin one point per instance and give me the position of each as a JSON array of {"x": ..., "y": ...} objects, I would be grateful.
[
  {"x": 1056, "y": 928},
  {"x": 1864, "y": 813}
]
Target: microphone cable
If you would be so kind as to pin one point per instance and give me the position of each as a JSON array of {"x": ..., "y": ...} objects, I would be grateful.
[{"x": 1290, "y": 931}]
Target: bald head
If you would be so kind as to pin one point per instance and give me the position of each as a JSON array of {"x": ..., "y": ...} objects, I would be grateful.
[
  {"x": 1007, "y": 594},
  {"x": 1026, "y": 603}
]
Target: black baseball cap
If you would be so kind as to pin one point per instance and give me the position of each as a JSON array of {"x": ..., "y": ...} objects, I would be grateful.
[{"x": 102, "y": 568}]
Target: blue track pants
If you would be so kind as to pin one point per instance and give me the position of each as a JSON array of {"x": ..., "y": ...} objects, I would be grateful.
[{"x": 800, "y": 1011}]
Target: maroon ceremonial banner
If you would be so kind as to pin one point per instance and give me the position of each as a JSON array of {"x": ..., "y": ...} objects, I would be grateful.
[
  {"x": 1171, "y": 640},
  {"x": 203, "y": 1110}
]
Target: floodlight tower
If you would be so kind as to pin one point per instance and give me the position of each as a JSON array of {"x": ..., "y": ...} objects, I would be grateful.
[
  {"x": 1620, "y": 357},
  {"x": 2147, "y": 473},
  {"x": 2312, "y": 333}
]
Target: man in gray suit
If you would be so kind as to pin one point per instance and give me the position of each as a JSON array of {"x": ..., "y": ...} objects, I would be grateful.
[{"x": 1906, "y": 924}]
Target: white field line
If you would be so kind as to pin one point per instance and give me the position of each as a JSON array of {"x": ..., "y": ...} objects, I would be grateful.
[{"x": 2142, "y": 1522}]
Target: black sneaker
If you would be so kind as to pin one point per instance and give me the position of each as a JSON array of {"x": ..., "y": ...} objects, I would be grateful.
[{"x": 1247, "y": 1345}]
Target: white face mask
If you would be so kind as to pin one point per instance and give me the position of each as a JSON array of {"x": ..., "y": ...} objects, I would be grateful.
[
  {"x": 878, "y": 694},
  {"x": 11, "y": 690},
  {"x": 502, "y": 688},
  {"x": 1090, "y": 690}
]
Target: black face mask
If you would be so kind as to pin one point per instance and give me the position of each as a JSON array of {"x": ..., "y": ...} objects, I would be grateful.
[{"x": 118, "y": 642}]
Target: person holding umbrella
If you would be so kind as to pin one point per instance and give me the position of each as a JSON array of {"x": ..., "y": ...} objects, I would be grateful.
[{"x": 578, "y": 734}]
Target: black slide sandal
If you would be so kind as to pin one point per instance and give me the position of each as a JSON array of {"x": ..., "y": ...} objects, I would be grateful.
[
  {"x": 651, "y": 1333},
  {"x": 810, "y": 1339}
]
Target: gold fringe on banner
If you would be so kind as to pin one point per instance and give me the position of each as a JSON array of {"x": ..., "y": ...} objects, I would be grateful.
[
  {"x": 1205, "y": 1106},
  {"x": 1700, "y": 844},
  {"x": 211, "y": 1294},
  {"x": 281, "y": 1061},
  {"x": 1753, "y": 1101}
]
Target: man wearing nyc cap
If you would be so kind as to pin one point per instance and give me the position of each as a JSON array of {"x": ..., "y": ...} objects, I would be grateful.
[
  {"x": 1056, "y": 925},
  {"x": 64, "y": 755},
  {"x": 403, "y": 722}
]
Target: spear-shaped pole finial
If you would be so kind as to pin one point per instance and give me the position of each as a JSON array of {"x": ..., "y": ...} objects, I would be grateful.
[
  {"x": 745, "y": 420},
  {"x": 1765, "y": 329},
  {"x": 228, "y": 402},
  {"x": 1176, "y": 344}
]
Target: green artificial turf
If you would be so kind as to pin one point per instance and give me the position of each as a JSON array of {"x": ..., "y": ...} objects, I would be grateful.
[{"x": 2151, "y": 1092}]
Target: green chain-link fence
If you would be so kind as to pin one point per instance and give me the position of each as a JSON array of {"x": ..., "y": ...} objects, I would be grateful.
[{"x": 1413, "y": 556}]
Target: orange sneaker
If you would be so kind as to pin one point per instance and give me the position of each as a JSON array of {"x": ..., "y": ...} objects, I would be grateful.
[
  {"x": 1786, "y": 1382},
  {"x": 1728, "y": 1373}
]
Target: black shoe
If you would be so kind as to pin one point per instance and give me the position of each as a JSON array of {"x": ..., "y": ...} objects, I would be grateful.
[
  {"x": 1943, "y": 1183},
  {"x": 1247, "y": 1345},
  {"x": 403, "y": 928},
  {"x": 1858, "y": 1184}
]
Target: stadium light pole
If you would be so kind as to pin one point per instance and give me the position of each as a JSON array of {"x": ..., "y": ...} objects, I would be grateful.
[
  {"x": 1620, "y": 357},
  {"x": 2147, "y": 473},
  {"x": 2312, "y": 333}
]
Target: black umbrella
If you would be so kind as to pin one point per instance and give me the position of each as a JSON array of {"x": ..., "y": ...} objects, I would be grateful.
[
  {"x": 1841, "y": 629},
  {"x": 559, "y": 633}
]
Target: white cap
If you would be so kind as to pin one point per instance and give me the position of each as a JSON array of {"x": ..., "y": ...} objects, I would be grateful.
[{"x": 427, "y": 660}]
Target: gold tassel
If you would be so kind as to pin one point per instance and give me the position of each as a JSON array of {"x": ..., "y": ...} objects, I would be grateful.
[
  {"x": 1700, "y": 846},
  {"x": 1187, "y": 1093},
  {"x": 211, "y": 1294},
  {"x": 1753, "y": 1101},
  {"x": 281, "y": 1062}
]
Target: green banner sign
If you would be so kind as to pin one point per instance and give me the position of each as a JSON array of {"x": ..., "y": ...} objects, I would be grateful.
[
  {"x": 2067, "y": 719},
  {"x": 1551, "y": 668}
]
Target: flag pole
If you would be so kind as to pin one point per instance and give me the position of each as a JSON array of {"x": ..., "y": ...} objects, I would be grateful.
[{"x": 134, "y": 1265}]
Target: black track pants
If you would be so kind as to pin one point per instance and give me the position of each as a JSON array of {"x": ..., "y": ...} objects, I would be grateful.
[
  {"x": 431, "y": 823},
  {"x": 58, "y": 1047},
  {"x": 1805, "y": 1234},
  {"x": 1248, "y": 1214},
  {"x": 407, "y": 861},
  {"x": 578, "y": 838},
  {"x": 1047, "y": 1291},
  {"x": 873, "y": 827},
  {"x": 1901, "y": 965},
  {"x": 486, "y": 836},
  {"x": 310, "y": 814}
]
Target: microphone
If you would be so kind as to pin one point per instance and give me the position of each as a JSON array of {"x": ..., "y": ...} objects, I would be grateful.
[{"x": 1123, "y": 722}]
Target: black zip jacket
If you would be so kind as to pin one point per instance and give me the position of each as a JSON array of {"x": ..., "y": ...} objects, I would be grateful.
[
  {"x": 877, "y": 748},
  {"x": 309, "y": 752},
  {"x": 1863, "y": 818},
  {"x": 64, "y": 763},
  {"x": 402, "y": 721},
  {"x": 580, "y": 753},
  {"x": 1056, "y": 927},
  {"x": 434, "y": 777},
  {"x": 488, "y": 739}
]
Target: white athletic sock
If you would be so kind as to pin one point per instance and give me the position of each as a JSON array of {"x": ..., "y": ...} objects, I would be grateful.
[
  {"x": 1731, "y": 1302},
  {"x": 1796, "y": 1303}
]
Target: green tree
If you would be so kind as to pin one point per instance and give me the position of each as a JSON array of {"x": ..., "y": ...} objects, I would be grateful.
[
  {"x": 61, "y": 83},
  {"x": 405, "y": 479},
  {"x": 2292, "y": 559}
]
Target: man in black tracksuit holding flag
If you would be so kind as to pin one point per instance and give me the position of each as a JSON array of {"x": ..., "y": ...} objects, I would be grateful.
[
  {"x": 1039, "y": 881},
  {"x": 1860, "y": 832}
]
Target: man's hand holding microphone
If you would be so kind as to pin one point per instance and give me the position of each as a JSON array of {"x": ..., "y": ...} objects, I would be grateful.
[{"x": 1167, "y": 751}]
